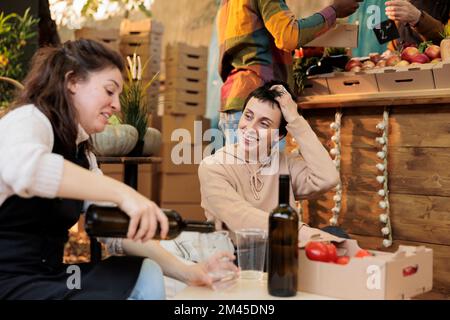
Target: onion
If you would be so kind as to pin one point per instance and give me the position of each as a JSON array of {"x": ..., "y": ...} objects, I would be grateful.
[{"x": 352, "y": 63}]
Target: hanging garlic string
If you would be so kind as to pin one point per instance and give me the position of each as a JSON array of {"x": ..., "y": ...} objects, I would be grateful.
[
  {"x": 383, "y": 141},
  {"x": 336, "y": 152}
]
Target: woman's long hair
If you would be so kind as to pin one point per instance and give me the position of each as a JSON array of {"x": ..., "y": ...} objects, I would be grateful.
[{"x": 46, "y": 82}]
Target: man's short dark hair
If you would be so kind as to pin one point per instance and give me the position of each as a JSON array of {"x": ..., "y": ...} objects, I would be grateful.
[{"x": 265, "y": 94}]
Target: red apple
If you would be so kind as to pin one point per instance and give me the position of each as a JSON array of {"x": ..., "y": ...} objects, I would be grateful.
[
  {"x": 433, "y": 52},
  {"x": 420, "y": 58},
  {"x": 352, "y": 63},
  {"x": 408, "y": 53},
  {"x": 392, "y": 61}
]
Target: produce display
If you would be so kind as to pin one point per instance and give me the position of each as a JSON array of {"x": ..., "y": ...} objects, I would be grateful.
[
  {"x": 409, "y": 56},
  {"x": 327, "y": 252}
]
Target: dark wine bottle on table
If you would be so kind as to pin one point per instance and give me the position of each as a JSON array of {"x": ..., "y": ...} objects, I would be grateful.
[
  {"x": 112, "y": 222},
  {"x": 283, "y": 245}
]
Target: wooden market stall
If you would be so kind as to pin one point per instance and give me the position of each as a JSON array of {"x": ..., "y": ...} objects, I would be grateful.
[{"x": 418, "y": 170}]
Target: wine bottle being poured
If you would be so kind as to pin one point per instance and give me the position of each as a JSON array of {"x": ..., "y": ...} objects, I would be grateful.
[{"x": 102, "y": 221}]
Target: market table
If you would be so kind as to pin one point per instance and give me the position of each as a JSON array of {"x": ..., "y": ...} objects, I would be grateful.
[
  {"x": 418, "y": 174},
  {"x": 244, "y": 289}
]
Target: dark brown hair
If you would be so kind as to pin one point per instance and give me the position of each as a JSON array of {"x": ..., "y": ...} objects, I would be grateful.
[{"x": 51, "y": 70}]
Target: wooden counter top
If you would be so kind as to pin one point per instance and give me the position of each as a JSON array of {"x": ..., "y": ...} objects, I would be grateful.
[{"x": 394, "y": 98}]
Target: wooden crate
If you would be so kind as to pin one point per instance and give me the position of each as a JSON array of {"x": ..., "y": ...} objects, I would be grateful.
[
  {"x": 185, "y": 102},
  {"x": 173, "y": 153},
  {"x": 180, "y": 71},
  {"x": 144, "y": 50},
  {"x": 109, "y": 37},
  {"x": 179, "y": 188},
  {"x": 185, "y": 83},
  {"x": 128, "y": 27}
]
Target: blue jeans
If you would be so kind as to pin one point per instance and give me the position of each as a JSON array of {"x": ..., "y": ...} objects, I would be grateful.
[
  {"x": 228, "y": 124},
  {"x": 150, "y": 283}
]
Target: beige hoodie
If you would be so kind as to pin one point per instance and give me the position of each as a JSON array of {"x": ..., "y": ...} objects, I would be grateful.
[{"x": 240, "y": 196}]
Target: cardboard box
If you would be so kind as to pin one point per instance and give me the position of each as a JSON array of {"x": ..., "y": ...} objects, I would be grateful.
[
  {"x": 400, "y": 275},
  {"x": 441, "y": 74},
  {"x": 350, "y": 82},
  {"x": 316, "y": 86},
  {"x": 407, "y": 78},
  {"x": 179, "y": 188},
  {"x": 341, "y": 36},
  {"x": 181, "y": 157},
  {"x": 188, "y": 211}
]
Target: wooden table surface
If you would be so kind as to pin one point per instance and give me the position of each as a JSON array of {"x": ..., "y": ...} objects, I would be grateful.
[{"x": 243, "y": 290}]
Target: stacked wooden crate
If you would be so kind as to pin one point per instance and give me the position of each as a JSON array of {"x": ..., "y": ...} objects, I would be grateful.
[
  {"x": 109, "y": 37},
  {"x": 182, "y": 127},
  {"x": 144, "y": 38},
  {"x": 185, "y": 79}
]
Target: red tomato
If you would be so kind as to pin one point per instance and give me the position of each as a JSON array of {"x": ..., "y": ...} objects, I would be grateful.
[
  {"x": 343, "y": 260},
  {"x": 363, "y": 253},
  {"x": 317, "y": 251},
  {"x": 408, "y": 271},
  {"x": 332, "y": 252}
]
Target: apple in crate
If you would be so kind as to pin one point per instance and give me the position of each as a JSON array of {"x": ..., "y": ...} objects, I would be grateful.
[
  {"x": 420, "y": 58},
  {"x": 392, "y": 61},
  {"x": 409, "y": 53},
  {"x": 352, "y": 64},
  {"x": 433, "y": 52}
]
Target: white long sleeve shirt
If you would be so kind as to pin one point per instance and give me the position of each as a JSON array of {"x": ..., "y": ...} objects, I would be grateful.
[{"x": 28, "y": 167}]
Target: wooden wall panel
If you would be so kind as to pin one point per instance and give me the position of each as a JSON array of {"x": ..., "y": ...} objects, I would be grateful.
[{"x": 419, "y": 180}]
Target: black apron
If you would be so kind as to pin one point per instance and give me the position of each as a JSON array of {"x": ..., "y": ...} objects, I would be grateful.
[
  {"x": 438, "y": 9},
  {"x": 33, "y": 233}
]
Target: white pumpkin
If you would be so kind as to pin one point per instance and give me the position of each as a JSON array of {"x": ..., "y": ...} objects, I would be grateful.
[
  {"x": 115, "y": 140},
  {"x": 152, "y": 142}
]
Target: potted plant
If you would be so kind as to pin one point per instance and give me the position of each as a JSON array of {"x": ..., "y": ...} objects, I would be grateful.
[
  {"x": 445, "y": 44},
  {"x": 136, "y": 109},
  {"x": 15, "y": 33}
]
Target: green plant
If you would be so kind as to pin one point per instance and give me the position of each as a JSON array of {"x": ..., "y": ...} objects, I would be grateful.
[
  {"x": 134, "y": 103},
  {"x": 300, "y": 67},
  {"x": 15, "y": 33}
]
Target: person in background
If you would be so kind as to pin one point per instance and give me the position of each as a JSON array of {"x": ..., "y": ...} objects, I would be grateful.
[
  {"x": 418, "y": 20},
  {"x": 47, "y": 170},
  {"x": 238, "y": 183},
  {"x": 367, "y": 41},
  {"x": 256, "y": 41}
]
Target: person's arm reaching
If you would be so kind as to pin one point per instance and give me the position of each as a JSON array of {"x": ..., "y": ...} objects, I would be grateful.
[
  {"x": 315, "y": 171},
  {"x": 291, "y": 33}
]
